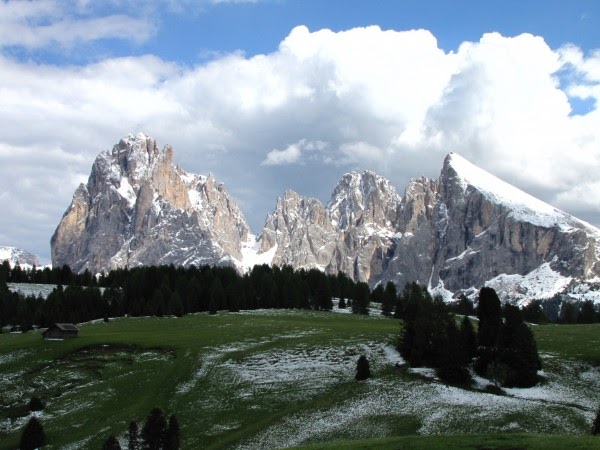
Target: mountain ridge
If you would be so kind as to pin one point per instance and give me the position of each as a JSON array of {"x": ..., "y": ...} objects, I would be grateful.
[{"x": 453, "y": 234}]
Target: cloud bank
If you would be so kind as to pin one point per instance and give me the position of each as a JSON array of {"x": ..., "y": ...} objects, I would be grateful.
[{"x": 321, "y": 104}]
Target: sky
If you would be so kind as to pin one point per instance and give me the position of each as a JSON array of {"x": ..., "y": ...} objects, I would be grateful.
[{"x": 269, "y": 95}]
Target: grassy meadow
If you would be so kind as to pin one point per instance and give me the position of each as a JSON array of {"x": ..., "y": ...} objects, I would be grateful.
[{"x": 284, "y": 378}]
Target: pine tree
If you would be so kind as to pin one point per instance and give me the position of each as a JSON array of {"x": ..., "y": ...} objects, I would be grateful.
[
  {"x": 35, "y": 404},
  {"x": 33, "y": 435},
  {"x": 362, "y": 369},
  {"x": 111, "y": 443},
  {"x": 389, "y": 299},
  {"x": 172, "y": 440},
  {"x": 154, "y": 430},
  {"x": 596, "y": 424},
  {"x": 360, "y": 303},
  {"x": 468, "y": 339},
  {"x": 133, "y": 436}
]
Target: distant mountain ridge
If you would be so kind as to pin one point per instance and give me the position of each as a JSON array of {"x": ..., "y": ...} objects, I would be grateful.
[
  {"x": 19, "y": 256},
  {"x": 457, "y": 233}
]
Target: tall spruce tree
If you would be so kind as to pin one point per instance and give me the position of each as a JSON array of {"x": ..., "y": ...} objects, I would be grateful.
[
  {"x": 172, "y": 438},
  {"x": 133, "y": 436},
  {"x": 154, "y": 431},
  {"x": 111, "y": 443},
  {"x": 360, "y": 302},
  {"x": 33, "y": 435},
  {"x": 389, "y": 299},
  {"x": 596, "y": 424}
]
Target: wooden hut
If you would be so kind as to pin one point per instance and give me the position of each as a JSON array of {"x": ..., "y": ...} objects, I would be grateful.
[{"x": 61, "y": 331}]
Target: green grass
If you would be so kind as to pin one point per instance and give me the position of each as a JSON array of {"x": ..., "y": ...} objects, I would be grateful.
[
  {"x": 468, "y": 442},
  {"x": 267, "y": 378}
]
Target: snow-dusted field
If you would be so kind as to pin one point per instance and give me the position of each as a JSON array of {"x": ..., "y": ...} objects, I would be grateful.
[{"x": 290, "y": 371}]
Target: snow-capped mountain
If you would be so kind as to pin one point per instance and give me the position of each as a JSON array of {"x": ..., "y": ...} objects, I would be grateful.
[
  {"x": 138, "y": 208},
  {"x": 455, "y": 234},
  {"x": 18, "y": 256}
]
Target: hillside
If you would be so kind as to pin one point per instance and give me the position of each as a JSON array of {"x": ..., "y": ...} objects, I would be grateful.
[{"x": 277, "y": 378}]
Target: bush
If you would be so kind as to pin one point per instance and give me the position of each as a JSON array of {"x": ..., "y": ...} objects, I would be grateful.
[
  {"x": 35, "y": 404},
  {"x": 362, "y": 369}
]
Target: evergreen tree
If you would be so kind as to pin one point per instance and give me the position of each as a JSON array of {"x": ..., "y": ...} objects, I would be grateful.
[
  {"x": 451, "y": 367},
  {"x": 33, "y": 435},
  {"x": 389, "y": 299},
  {"x": 217, "y": 296},
  {"x": 111, "y": 443},
  {"x": 377, "y": 294},
  {"x": 518, "y": 351},
  {"x": 568, "y": 312},
  {"x": 35, "y": 404},
  {"x": 362, "y": 369},
  {"x": 490, "y": 317},
  {"x": 596, "y": 424},
  {"x": 176, "y": 305},
  {"x": 154, "y": 430},
  {"x": 360, "y": 303},
  {"x": 534, "y": 313},
  {"x": 133, "y": 436},
  {"x": 172, "y": 440},
  {"x": 587, "y": 313},
  {"x": 468, "y": 339}
]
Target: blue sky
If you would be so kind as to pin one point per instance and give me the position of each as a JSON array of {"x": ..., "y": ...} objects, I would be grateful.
[{"x": 270, "y": 95}]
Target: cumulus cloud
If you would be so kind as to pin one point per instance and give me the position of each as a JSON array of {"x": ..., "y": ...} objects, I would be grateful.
[
  {"x": 292, "y": 153},
  {"x": 323, "y": 103}
]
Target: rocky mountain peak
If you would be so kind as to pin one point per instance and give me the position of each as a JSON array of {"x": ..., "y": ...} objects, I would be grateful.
[
  {"x": 362, "y": 199},
  {"x": 139, "y": 208},
  {"x": 18, "y": 256}
]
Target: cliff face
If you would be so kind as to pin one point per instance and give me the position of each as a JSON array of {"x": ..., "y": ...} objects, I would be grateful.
[
  {"x": 463, "y": 231},
  {"x": 139, "y": 209}
]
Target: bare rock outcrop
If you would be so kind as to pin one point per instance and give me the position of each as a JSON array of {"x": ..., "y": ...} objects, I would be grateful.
[{"x": 138, "y": 208}]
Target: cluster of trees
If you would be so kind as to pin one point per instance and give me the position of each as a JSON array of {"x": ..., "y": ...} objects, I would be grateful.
[
  {"x": 156, "y": 434},
  {"x": 503, "y": 349},
  {"x": 167, "y": 290},
  {"x": 57, "y": 275},
  {"x": 430, "y": 336}
]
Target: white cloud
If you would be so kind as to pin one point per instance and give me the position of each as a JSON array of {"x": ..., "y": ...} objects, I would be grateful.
[
  {"x": 45, "y": 23},
  {"x": 388, "y": 101},
  {"x": 292, "y": 153}
]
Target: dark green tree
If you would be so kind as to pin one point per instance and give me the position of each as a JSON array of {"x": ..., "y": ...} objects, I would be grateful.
[
  {"x": 377, "y": 294},
  {"x": 468, "y": 339},
  {"x": 489, "y": 314},
  {"x": 111, "y": 443},
  {"x": 388, "y": 302},
  {"x": 217, "y": 296},
  {"x": 133, "y": 436},
  {"x": 568, "y": 312},
  {"x": 596, "y": 424},
  {"x": 154, "y": 430},
  {"x": 172, "y": 439},
  {"x": 363, "y": 370},
  {"x": 360, "y": 303},
  {"x": 587, "y": 313},
  {"x": 33, "y": 435},
  {"x": 35, "y": 404}
]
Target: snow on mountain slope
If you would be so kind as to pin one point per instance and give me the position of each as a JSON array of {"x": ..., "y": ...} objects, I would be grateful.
[
  {"x": 524, "y": 207},
  {"x": 18, "y": 256}
]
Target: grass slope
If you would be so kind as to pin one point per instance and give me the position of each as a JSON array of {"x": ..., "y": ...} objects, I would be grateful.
[{"x": 268, "y": 379}]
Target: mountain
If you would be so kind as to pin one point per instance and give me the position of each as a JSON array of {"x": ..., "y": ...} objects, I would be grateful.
[
  {"x": 455, "y": 234},
  {"x": 18, "y": 256},
  {"x": 138, "y": 208}
]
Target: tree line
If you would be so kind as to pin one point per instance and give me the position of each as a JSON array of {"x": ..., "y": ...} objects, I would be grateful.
[{"x": 170, "y": 290}]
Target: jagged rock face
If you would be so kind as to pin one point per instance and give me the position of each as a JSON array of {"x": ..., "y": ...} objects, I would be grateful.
[
  {"x": 463, "y": 231},
  {"x": 352, "y": 234},
  {"x": 18, "y": 256},
  {"x": 139, "y": 209}
]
